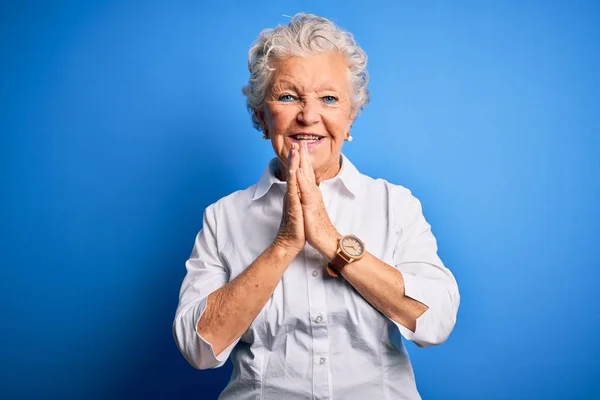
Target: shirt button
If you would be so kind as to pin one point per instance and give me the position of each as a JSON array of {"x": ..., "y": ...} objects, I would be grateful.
[
  {"x": 318, "y": 319},
  {"x": 321, "y": 360},
  {"x": 315, "y": 273}
]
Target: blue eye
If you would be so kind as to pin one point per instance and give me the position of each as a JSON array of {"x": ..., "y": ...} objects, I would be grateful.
[
  {"x": 329, "y": 99},
  {"x": 286, "y": 98}
]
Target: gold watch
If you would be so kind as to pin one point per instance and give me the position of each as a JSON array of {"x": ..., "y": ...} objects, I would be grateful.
[{"x": 350, "y": 249}]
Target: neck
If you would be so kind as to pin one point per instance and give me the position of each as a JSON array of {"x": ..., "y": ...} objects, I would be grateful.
[{"x": 327, "y": 172}]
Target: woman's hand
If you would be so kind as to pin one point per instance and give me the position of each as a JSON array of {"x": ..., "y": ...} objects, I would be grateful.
[
  {"x": 320, "y": 232},
  {"x": 291, "y": 230}
]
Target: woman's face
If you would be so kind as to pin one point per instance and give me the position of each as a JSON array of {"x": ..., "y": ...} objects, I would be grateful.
[{"x": 309, "y": 100}]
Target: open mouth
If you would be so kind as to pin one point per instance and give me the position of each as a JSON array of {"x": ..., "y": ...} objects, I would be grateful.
[{"x": 308, "y": 138}]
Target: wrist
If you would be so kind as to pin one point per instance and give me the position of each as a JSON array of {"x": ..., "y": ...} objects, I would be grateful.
[
  {"x": 284, "y": 250},
  {"x": 330, "y": 246},
  {"x": 349, "y": 249}
]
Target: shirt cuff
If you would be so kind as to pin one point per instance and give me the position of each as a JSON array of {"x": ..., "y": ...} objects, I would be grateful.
[
  {"x": 205, "y": 347},
  {"x": 412, "y": 289}
]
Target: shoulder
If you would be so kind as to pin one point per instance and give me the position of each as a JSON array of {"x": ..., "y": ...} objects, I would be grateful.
[
  {"x": 395, "y": 192},
  {"x": 232, "y": 203},
  {"x": 403, "y": 205}
]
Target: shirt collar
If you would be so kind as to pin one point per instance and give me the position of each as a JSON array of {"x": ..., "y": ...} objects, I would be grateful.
[
  {"x": 348, "y": 175},
  {"x": 267, "y": 179}
]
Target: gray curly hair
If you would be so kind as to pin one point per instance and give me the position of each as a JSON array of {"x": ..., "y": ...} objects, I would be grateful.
[{"x": 305, "y": 34}]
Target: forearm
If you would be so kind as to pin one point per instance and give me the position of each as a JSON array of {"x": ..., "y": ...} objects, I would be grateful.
[
  {"x": 383, "y": 287},
  {"x": 380, "y": 284},
  {"x": 231, "y": 309}
]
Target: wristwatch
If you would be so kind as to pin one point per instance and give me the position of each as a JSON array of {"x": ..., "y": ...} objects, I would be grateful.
[{"x": 350, "y": 249}]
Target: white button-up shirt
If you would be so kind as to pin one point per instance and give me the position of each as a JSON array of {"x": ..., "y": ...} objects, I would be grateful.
[{"x": 316, "y": 337}]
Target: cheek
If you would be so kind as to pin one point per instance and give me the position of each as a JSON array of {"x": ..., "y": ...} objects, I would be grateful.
[
  {"x": 280, "y": 118},
  {"x": 338, "y": 125},
  {"x": 280, "y": 146}
]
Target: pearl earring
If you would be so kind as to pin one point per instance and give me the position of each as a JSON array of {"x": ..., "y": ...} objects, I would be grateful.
[{"x": 349, "y": 138}]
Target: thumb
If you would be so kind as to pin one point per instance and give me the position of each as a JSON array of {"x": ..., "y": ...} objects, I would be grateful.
[{"x": 293, "y": 189}]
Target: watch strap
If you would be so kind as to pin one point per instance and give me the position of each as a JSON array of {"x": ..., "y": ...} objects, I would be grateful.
[{"x": 335, "y": 266}]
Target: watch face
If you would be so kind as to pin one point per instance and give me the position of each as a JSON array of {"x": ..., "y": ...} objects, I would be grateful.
[{"x": 352, "y": 246}]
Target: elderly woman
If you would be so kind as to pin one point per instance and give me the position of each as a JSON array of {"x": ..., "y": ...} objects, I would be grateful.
[{"x": 310, "y": 278}]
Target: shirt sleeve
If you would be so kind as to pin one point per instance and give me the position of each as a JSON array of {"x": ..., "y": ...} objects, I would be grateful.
[
  {"x": 426, "y": 279},
  {"x": 205, "y": 274}
]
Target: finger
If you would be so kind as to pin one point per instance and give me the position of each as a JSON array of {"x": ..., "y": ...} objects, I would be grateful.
[
  {"x": 295, "y": 162},
  {"x": 304, "y": 158},
  {"x": 289, "y": 159},
  {"x": 310, "y": 172},
  {"x": 305, "y": 163},
  {"x": 302, "y": 182},
  {"x": 307, "y": 190},
  {"x": 284, "y": 210},
  {"x": 293, "y": 189},
  {"x": 293, "y": 194},
  {"x": 289, "y": 162}
]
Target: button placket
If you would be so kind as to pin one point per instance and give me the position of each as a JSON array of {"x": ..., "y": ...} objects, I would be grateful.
[{"x": 321, "y": 376}]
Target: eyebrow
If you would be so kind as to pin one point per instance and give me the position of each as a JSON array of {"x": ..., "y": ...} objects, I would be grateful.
[{"x": 329, "y": 85}]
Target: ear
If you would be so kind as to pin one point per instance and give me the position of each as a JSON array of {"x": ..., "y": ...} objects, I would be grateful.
[
  {"x": 348, "y": 137},
  {"x": 353, "y": 115},
  {"x": 260, "y": 116}
]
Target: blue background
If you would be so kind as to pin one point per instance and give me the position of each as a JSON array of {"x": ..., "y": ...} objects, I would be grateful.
[{"x": 121, "y": 121}]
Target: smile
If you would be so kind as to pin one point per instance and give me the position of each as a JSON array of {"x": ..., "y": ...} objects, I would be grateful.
[{"x": 311, "y": 140}]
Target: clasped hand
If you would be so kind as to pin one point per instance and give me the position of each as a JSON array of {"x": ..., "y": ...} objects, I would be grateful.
[{"x": 304, "y": 217}]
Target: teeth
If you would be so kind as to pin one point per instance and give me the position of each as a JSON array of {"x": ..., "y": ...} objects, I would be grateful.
[{"x": 307, "y": 137}]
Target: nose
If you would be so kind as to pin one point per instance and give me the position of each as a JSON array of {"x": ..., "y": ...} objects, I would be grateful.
[{"x": 310, "y": 113}]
